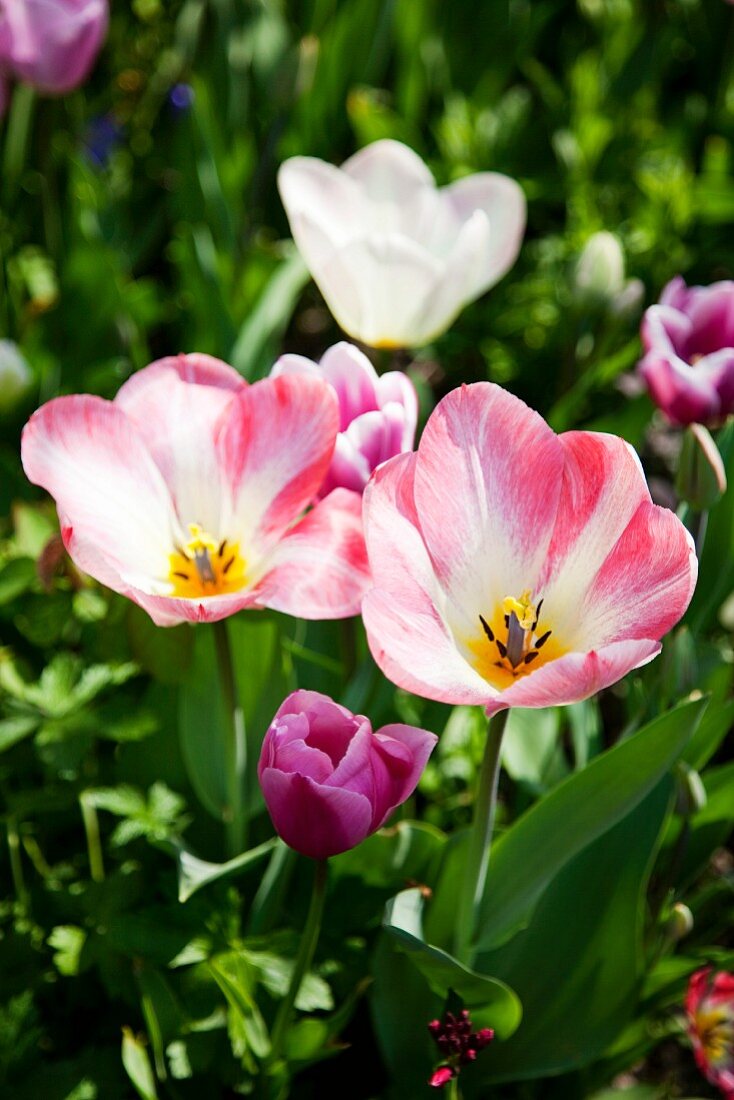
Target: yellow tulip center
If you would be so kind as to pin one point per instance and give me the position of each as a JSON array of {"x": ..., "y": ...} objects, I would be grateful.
[
  {"x": 206, "y": 567},
  {"x": 512, "y": 643},
  {"x": 716, "y": 1032}
]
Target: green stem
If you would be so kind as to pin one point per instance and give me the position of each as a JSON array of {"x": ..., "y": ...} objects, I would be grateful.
[
  {"x": 453, "y": 1089},
  {"x": 477, "y": 860},
  {"x": 16, "y": 137},
  {"x": 309, "y": 940},
  {"x": 703, "y": 522},
  {"x": 16, "y": 865},
  {"x": 94, "y": 842},
  {"x": 236, "y": 746}
]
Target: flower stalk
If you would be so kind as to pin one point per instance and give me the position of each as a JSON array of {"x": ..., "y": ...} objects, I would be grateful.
[
  {"x": 309, "y": 939},
  {"x": 480, "y": 840},
  {"x": 236, "y": 744}
]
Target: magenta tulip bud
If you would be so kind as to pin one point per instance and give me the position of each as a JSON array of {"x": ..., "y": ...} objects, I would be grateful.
[
  {"x": 328, "y": 780},
  {"x": 51, "y": 44},
  {"x": 377, "y": 415},
  {"x": 689, "y": 344}
]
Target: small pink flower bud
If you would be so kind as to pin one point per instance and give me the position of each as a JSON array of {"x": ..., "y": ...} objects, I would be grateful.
[
  {"x": 441, "y": 1077},
  {"x": 328, "y": 780}
]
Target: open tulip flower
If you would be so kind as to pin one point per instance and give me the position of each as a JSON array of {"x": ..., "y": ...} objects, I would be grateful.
[
  {"x": 377, "y": 415},
  {"x": 515, "y": 567},
  {"x": 689, "y": 343},
  {"x": 710, "y": 1011},
  {"x": 328, "y": 780},
  {"x": 51, "y": 44},
  {"x": 187, "y": 492},
  {"x": 395, "y": 257}
]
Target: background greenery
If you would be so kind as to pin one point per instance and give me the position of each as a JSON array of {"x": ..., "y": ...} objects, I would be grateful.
[{"x": 135, "y": 224}]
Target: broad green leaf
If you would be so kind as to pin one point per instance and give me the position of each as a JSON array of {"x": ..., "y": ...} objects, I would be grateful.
[
  {"x": 137, "y": 1065},
  {"x": 528, "y": 856},
  {"x": 256, "y": 344},
  {"x": 404, "y": 920},
  {"x": 194, "y": 873},
  {"x": 203, "y": 725},
  {"x": 577, "y": 965},
  {"x": 393, "y": 856},
  {"x": 531, "y": 752}
]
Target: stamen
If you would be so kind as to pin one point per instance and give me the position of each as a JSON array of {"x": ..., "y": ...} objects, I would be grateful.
[
  {"x": 486, "y": 628},
  {"x": 184, "y": 576},
  {"x": 515, "y": 641},
  {"x": 502, "y": 648},
  {"x": 537, "y": 613},
  {"x": 541, "y": 641},
  {"x": 531, "y": 656},
  {"x": 222, "y": 545},
  {"x": 228, "y": 565}
]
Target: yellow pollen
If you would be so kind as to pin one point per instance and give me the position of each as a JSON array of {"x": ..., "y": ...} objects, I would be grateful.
[
  {"x": 513, "y": 640},
  {"x": 523, "y": 608},
  {"x": 716, "y": 1032},
  {"x": 205, "y": 567}
]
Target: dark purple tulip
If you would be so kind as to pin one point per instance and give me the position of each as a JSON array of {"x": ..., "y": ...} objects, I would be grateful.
[
  {"x": 328, "y": 780},
  {"x": 689, "y": 343}
]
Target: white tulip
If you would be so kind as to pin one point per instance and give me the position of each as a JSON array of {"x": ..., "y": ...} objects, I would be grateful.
[{"x": 396, "y": 257}]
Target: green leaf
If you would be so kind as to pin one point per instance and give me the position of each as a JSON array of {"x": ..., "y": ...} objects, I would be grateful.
[
  {"x": 404, "y": 920},
  {"x": 194, "y": 873},
  {"x": 67, "y": 940},
  {"x": 234, "y": 977},
  {"x": 13, "y": 730},
  {"x": 257, "y": 341},
  {"x": 137, "y": 1065},
  {"x": 527, "y": 858},
  {"x": 16, "y": 577},
  {"x": 578, "y": 963},
  {"x": 203, "y": 726},
  {"x": 392, "y": 856}
]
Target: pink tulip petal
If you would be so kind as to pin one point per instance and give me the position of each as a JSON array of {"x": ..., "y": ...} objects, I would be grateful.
[
  {"x": 487, "y": 485},
  {"x": 184, "y": 398},
  {"x": 576, "y": 676},
  {"x": 712, "y": 318},
  {"x": 52, "y": 44},
  {"x": 319, "y": 569},
  {"x": 603, "y": 486},
  {"x": 170, "y": 610},
  {"x": 315, "y": 820},
  {"x": 405, "y": 744},
  {"x": 353, "y": 377},
  {"x": 116, "y": 513},
  {"x": 348, "y": 470},
  {"x": 274, "y": 447},
  {"x": 378, "y": 436},
  {"x": 409, "y": 637},
  {"x": 646, "y": 582},
  {"x": 395, "y": 386},
  {"x": 503, "y": 202}
]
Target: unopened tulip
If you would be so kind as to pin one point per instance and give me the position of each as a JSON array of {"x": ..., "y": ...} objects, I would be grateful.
[
  {"x": 15, "y": 375},
  {"x": 328, "y": 780},
  {"x": 188, "y": 492},
  {"x": 689, "y": 352},
  {"x": 377, "y": 415},
  {"x": 395, "y": 257},
  {"x": 51, "y": 44},
  {"x": 515, "y": 567},
  {"x": 710, "y": 1012}
]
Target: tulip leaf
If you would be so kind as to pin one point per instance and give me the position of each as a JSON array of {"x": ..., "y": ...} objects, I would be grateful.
[
  {"x": 203, "y": 725},
  {"x": 404, "y": 921},
  {"x": 526, "y": 859},
  {"x": 578, "y": 964},
  {"x": 194, "y": 873},
  {"x": 256, "y": 345}
]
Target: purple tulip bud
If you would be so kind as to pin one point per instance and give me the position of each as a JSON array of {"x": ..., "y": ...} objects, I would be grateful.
[
  {"x": 328, "y": 780},
  {"x": 377, "y": 415},
  {"x": 689, "y": 344},
  {"x": 51, "y": 44}
]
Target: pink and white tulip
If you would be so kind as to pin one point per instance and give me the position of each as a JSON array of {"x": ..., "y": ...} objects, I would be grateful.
[
  {"x": 395, "y": 257},
  {"x": 328, "y": 780},
  {"x": 50, "y": 44},
  {"x": 689, "y": 352},
  {"x": 187, "y": 492},
  {"x": 515, "y": 567},
  {"x": 377, "y": 415},
  {"x": 710, "y": 1012}
]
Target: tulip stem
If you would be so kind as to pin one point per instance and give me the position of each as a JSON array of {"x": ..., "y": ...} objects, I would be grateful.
[
  {"x": 236, "y": 745},
  {"x": 309, "y": 939},
  {"x": 480, "y": 840}
]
